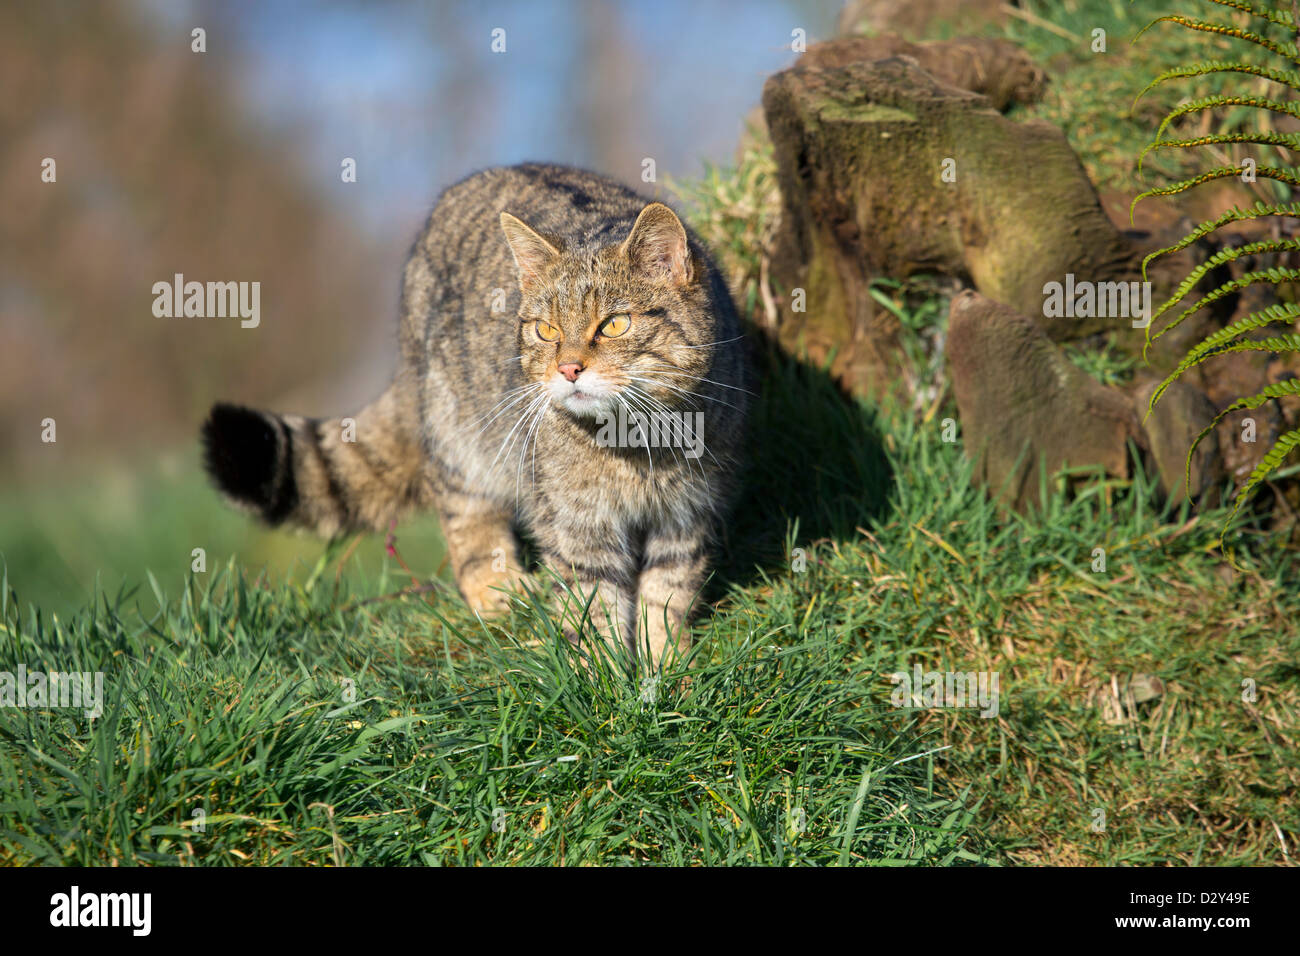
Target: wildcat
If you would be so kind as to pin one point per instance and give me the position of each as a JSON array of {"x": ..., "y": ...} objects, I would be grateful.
[{"x": 545, "y": 312}]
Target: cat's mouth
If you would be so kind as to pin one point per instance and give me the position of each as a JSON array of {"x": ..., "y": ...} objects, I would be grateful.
[
  {"x": 588, "y": 396},
  {"x": 586, "y": 404}
]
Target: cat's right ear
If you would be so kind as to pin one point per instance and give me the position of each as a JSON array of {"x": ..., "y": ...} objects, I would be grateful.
[{"x": 532, "y": 253}]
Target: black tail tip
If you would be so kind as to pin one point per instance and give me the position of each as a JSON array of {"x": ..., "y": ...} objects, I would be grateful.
[{"x": 242, "y": 454}]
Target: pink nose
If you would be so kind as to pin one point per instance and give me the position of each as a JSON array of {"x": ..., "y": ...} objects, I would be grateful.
[{"x": 570, "y": 370}]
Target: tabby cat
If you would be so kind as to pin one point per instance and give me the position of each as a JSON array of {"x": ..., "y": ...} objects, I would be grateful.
[{"x": 552, "y": 323}]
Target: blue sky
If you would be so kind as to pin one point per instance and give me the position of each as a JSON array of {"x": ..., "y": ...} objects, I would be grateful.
[{"x": 413, "y": 91}]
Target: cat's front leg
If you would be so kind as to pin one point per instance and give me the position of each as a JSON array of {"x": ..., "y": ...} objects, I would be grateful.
[
  {"x": 674, "y": 566},
  {"x": 600, "y": 572}
]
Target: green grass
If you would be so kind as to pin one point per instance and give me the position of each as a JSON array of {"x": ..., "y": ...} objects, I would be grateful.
[
  {"x": 227, "y": 695},
  {"x": 239, "y": 712},
  {"x": 1105, "y": 363},
  {"x": 102, "y": 526}
]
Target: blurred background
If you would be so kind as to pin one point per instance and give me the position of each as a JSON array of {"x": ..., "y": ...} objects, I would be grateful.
[{"x": 225, "y": 166}]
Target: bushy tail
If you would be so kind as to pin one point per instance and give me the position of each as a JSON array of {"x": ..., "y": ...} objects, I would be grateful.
[{"x": 325, "y": 475}]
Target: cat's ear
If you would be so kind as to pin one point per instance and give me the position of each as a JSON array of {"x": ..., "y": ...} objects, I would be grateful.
[
  {"x": 532, "y": 253},
  {"x": 657, "y": 245}
]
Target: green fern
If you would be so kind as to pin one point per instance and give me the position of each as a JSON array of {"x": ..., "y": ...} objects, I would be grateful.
[
  {"x": 1286, "y": 77},
  {"x": 1233, "y": 337}
]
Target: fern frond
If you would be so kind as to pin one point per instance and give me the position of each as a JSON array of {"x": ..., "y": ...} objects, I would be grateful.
[
  {"x": 1213, "y": 102},
  {"x": 1275, "y": 276},
  {"x": 1287, "y": 50},
  {"x": 1277, "y": 390},
  {"x": 1222, "y": 257},
  {"x": 1270, "y": 461},
  {"x": 1260, "y": 208},
  {"x": 1267, "y": 465},
  {"x": 1213, "y": 343},
  {"x": 1289, "y": 78},
  {"x": 1230, "y": 339},
  {"x": 1279, "y": 343},
  {"x": 1282, "y": 174},
  {"x": 1280, "y": 17},
  {"x": 1289, "y": 141}
]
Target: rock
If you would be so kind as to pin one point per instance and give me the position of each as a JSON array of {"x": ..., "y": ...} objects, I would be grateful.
[
  {"x": 1180, "y": 415},
  {"x": 862, "y": 151},
  {"x": 913, "y": 18},
  {"x": 1018, "y": 393},
  {"x": 996, "y": 68},
  {"x": 1119, "y": 703},
  {"x": 1024, "y": 405}
]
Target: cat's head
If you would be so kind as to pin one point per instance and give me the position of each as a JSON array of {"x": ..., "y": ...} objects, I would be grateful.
[{"x": 627, "y": 326}]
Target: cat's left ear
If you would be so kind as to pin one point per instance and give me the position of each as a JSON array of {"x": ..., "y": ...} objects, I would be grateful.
[{"x": 657, "y": 245}]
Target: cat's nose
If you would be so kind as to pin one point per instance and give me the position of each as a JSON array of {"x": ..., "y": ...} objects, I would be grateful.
[{"x": 570, "y": 370}]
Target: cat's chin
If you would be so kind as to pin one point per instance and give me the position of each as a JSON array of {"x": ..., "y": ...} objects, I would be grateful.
[{"x": 581, "y": 405}]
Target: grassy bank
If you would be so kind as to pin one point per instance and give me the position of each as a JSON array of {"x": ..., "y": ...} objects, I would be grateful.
[
  {"x": 466, "y": 742},
  {"x": 297, "y": 704}
]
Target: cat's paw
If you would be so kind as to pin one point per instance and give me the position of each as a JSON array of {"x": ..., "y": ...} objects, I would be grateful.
[{"x": 491, "y": 592}]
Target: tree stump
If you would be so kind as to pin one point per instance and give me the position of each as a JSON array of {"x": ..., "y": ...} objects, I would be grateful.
[{"x": 886, "y": 171}]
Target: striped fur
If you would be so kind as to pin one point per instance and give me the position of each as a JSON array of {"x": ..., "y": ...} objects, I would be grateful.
[{"x": 515, "y": 279}]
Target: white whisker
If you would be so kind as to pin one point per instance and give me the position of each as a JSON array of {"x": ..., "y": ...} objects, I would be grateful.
[
  {"x": 535, "y": 421},
  {"x": 511, "y": 398},
  {"x": 709, "y": 345},
  {"x": 688, "y": 431},
  {"x": 679, "y": 390},
  {"x": 699, "y": 378},
  {"x": 527, "y": 414}
]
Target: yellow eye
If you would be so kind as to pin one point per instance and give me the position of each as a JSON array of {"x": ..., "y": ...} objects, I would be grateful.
[
  {"x": 616, "y": 325},
  {"x": 547, "y": 332}
]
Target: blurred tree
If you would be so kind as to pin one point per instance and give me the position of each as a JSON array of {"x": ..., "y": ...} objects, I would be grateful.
[{"x": 157, "y": 173}]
